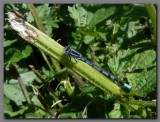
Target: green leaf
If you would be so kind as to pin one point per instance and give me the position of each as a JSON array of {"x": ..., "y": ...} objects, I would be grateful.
[
  {"x": 91, "y": 19},
  {"x": 119, "y": 63},
  {"x": 115, "y": 29},
  {"x": 129, "y": 60},
  {"x": 15, "y": 113},
  {"x": 14, "y": 93},
  {"x": 88, "y": 39},
  {"x": 8, "y": 43},
  {"x": 47, "y": 73},
  {"x": 116, "y": 112},
  {"x": 144, "y": 82},
  {"x": 37, "y": 114},
  {"x": 85, "y": 17},
  {"x": 50, "y": 21},
  {"x": 16, "y": 55},
  {"x": 68, "y": 115},
  {"x": 101, "y": 14},
  {"x": 79, "y": 14},
  {"x": 28, "y": 77},
  {"x": 27, "y": 51},
  {"x": 142, "y": 60},
  {"x": 7, "y": 106}
]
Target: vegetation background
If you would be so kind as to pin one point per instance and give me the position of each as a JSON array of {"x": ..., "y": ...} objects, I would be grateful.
[{"x": 120, "y": 38}]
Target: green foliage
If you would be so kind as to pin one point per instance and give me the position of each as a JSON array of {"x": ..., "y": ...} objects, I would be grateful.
[
  {"x": 118, "y": 38},
  {"x": 14, "y": 93},
  {"x": 48, "y": 17},
  {"x": 116, "y": 112},
  {"x": 15, "y": 54},
  {"x": 143, "y": 82}
]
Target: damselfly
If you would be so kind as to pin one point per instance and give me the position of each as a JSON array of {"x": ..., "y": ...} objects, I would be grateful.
[{"x": 76, "y": 55}]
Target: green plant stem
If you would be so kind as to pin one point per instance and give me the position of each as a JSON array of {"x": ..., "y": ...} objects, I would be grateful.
[
  {"x": 56, "y": 51},
  {"x": 142, "y": 103},
  {"x": 36, "y": 17},
  {"x": 56, "y": 65},
  {"x": 47, "y": 61},
  {"x": 76, "y": 78},
  {"x": 152, "y": 14},
  {"x": 41, "y": 27}
]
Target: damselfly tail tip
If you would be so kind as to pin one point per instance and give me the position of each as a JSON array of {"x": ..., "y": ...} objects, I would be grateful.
[{"x": 127, "y": 87}]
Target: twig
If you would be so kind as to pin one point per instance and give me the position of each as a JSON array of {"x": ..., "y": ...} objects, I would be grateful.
[{"x": 22, "y": 85}]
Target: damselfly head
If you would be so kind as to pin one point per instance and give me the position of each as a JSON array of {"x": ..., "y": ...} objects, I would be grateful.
[{"x": 67, "y": 49}]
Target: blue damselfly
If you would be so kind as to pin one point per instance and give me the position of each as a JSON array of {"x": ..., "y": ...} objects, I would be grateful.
[{"x": 77, "y": 55}]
